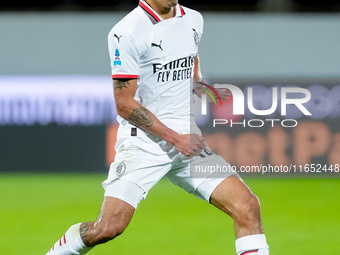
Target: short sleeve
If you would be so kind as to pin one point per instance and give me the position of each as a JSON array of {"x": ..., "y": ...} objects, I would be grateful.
[
  {"x": 124, "y": 55},
  {"x": 201, "y": 26}
]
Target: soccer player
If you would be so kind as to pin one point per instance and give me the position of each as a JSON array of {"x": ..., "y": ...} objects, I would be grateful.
[{"x": 154, "y": 55}]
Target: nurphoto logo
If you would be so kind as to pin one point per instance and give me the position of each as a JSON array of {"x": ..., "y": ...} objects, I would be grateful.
[{"x": 239, "y": 101}]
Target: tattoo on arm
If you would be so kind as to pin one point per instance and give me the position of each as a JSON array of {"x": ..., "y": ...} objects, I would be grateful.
[
  {"x": 141, "y": 117},
  {"x": 119, "y": 84}
]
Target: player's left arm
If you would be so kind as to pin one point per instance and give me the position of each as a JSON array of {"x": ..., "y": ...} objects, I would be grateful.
[{"x": 198, "y": 82}]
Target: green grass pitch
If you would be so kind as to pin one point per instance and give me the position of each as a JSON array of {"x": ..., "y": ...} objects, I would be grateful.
[{"x": 301, "y": 216}]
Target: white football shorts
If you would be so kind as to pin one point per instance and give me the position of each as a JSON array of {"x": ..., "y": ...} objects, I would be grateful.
[{"x": 135, "y": 171}]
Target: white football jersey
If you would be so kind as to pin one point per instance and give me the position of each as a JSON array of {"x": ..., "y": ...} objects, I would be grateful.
[{"x": 161, "y": 55}]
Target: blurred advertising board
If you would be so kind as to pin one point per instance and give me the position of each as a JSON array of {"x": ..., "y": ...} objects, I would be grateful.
[{"x": 55, "y": 123}]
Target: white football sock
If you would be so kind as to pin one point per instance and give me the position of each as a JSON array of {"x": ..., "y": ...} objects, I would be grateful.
[
  {"x": 70, "y": 243},
  {"x": 252, "y": 245}
]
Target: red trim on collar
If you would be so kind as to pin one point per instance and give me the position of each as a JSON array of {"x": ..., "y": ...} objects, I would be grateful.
[
  {"x": 182, "y": 11},
  {"x": 148, "y": 10}
]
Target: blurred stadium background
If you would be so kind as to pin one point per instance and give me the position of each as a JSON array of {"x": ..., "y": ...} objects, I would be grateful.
[{"x": 57, "y": 124}]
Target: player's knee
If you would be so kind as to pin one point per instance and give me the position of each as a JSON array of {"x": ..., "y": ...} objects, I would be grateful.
[
  {"x": 248, "y": 210},
  {"x": 112, "y": 230},
  {"x": 107, "y": 232}
]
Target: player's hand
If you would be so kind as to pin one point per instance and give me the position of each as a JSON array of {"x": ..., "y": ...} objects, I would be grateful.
[
  {"x": 190, "y": 144},
  {"x": 224, "y": 94}
]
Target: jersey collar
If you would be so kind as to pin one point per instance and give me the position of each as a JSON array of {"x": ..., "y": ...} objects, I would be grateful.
[{"x": 154, "y": 16}]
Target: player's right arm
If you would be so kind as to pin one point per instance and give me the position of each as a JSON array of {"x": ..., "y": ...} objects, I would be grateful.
[{"x": 129, "y": 109}]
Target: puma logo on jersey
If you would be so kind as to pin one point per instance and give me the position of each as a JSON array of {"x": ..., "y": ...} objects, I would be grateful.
[
  {"x": 157, "y": 45},
  {"x": 118, "y": 38}
]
